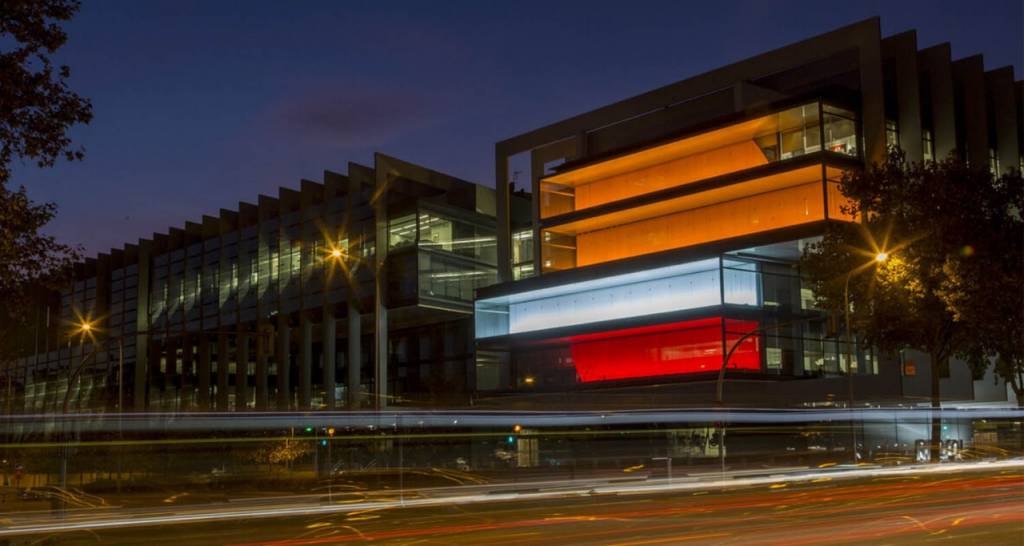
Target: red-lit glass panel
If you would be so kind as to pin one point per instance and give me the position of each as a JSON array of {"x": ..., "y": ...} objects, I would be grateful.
[{"x": 666, "y": 349}]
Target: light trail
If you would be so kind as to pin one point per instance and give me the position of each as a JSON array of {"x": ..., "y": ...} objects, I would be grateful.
[
  {"x": 417, "y": 419},
  {"x": 219, "y": 513}
]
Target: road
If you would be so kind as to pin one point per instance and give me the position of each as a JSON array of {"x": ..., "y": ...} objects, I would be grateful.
[{"x": 976, "y": 505}]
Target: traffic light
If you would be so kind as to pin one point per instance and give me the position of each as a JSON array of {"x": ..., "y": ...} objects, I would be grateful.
[
  {"x": 309, "y": 429},
  {"x": 510, "y": 440}
]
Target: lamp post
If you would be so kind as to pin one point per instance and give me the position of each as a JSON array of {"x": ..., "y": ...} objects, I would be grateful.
[{"x": 880, "y": 257}]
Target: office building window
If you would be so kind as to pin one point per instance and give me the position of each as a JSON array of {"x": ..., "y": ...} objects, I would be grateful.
[
  {"x": 840, "y": 130},
  {"x": 402, "y": 231},
  {"x": 892, "y": 135},
  {"x": 522, "y": 254},
  {"x": 927, "y": 145},
  {"x": 993, "y": 161},
  {"x": 780, "y": 136}
]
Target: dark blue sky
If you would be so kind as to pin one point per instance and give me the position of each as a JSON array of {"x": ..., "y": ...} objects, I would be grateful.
[{"x": 201, "y": 104}]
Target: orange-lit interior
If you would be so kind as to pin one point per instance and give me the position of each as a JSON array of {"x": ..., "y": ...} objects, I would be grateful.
[
  {"x": 768, "y": 203},
  {"x": 677, "y": 163}
]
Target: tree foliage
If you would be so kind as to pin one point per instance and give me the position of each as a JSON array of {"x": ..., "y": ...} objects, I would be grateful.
[
  {"x": 36, "y": 106},
  {"x": 951, "y": 284},
  {"x": 36, "y": 111}
]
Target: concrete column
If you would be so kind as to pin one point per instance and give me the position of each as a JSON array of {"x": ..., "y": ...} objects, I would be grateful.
[
  {"x": 262, "y": 348},
  {"x": 901, "y": 50},
  {"x": 872, "y": 89},
  {"x": 934, "y": 61},
  {"x": 969, "y": 79},
  {"x": 384, "y": 176},
  {"x": 354, "y": 358},
  {"x": 203, "y": 370},
  {"x": 329, "y": 336},
  {"x": 381, "y": 353},
  {"x": 241, "y": 371},
  {"x": 999, "y": 85},
  {"x": 305, "y": 362},
  {"x": 223, "y": 361},
  {"x": 503, "y": 215},
  {"x": 284, "y": 368}
]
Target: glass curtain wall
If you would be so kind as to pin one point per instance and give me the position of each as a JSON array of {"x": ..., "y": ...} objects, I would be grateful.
[{"x": 780, "y": 136}]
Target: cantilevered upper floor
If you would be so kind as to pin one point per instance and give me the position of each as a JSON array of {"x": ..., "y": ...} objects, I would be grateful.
[{"x": 748, "y": 148}]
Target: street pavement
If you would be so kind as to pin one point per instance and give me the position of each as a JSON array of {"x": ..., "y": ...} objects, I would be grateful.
[{"x": 951, "y": 504}]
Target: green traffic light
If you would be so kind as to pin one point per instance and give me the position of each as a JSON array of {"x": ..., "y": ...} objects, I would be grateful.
[{"x": 309, "y": 429}]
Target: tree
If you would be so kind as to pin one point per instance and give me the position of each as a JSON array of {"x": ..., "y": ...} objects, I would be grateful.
[
  {"x": 36, "y": 111},
  {"x": 945, "y": 229},
  {"x": 36, "y": 106},
  {"x": 985, "y": 286}
]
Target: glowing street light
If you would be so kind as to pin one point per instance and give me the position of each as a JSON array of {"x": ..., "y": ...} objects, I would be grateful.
[{"x": 881, "y": 257}]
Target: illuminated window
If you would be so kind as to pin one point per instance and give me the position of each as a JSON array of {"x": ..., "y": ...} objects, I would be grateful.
[
  {"x": 927, "y": 145},
  {"x": 522, "y": 254},
  {"x": 892, "y": 135},
  {"x": 667, "y": 289},
  {"x": 666, "y": 349},
  {"x": 840, "y": 130},
  {"x": 402, "y": 231},
  {"x": 254, "y": 272},
  {"x": 783, "y": 135},
  {"x": 768, "y": 203}
]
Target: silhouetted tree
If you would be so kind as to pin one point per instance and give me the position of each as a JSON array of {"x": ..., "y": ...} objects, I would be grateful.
[
  {"x": 36, "y": 111},
  {"x": 36, "y": 106},
  {"x": 951, "y": 285}
]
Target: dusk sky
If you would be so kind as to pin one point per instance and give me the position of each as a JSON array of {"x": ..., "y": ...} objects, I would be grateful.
[{"x": 199, "y": 105}]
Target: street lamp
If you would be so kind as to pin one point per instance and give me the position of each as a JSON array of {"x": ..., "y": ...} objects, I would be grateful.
[{"x": 880, "y": 258}]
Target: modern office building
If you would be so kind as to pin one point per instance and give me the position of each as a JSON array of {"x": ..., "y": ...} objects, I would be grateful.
[
  {"x": 352, "y": 292},
  {"x": 668, "y": 225},
  {"x": 657, "y": 232}
]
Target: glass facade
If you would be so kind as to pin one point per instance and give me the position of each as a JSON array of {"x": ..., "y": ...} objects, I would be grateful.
[
  {"x": 763, "y": 204},
  {"x": 693, "y": 285},
  {"x": 784, "y": 135}
]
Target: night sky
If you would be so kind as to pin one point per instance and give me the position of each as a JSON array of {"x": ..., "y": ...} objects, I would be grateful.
[{"x": 199, "y": 105}]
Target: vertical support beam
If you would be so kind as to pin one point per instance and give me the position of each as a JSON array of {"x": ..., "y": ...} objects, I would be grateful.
[
  {"x": 284, "y": 368},
  {"x": 305, "y": 362},
  {"x": 203, "y": 370},
  {"x": 223, "y": 361},
  {"x": 262, "y": 348},
  {"x": 934, "y": 62},
  {"x": 503, "y": 216},
  {"x": 241, "y": 371},
  {"x": 999, "y": 84},
  {"x": 354, "y": 358},
  {"x": 329, "y": 335},
  {"x": 969, "y": 79},
  {"x": 901, "y": 51},
  {"x": 383, "y": 177},
  {"x": 872, "y": 88}
]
